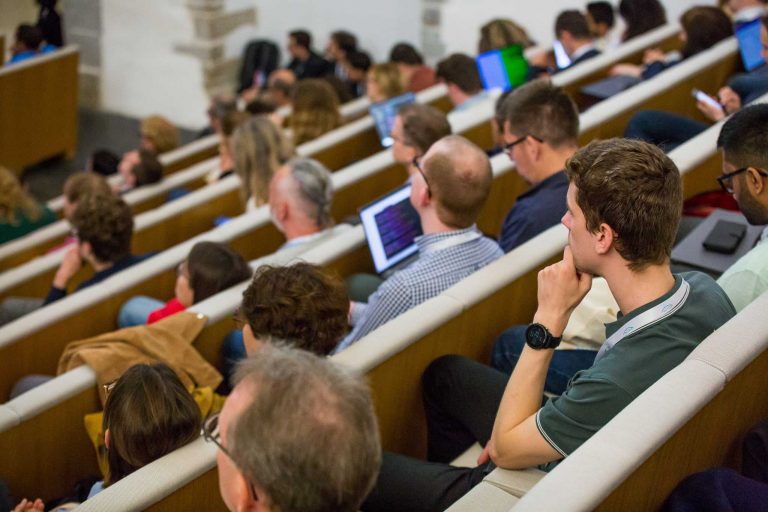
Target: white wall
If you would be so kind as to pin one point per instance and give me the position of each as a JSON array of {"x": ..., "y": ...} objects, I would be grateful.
[{"x": 142, "y": 74}]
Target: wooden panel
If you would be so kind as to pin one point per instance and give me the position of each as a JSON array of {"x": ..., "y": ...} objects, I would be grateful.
[
  {"x": 672, "y": 43},
  {"x": 191, "y": 159},
  {"x": 676, "y": 99},
  {"x": 38, "y": 111},
  {"x": 443, "y": 104},
  {"x": 350, "y": 150},
  {"x": 705, "y": 177},
  {"x": 200, "y": 494},
  {"x": 48, "y": 454},
  {"x": 2, "y": 50},
  {"x": 711, "y": 438}
]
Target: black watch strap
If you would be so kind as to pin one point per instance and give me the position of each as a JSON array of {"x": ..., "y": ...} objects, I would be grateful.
[{"x": 538, "y": 337}]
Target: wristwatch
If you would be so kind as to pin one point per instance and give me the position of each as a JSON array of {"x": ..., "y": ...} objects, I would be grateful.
[{"x": 538, "y": 337}]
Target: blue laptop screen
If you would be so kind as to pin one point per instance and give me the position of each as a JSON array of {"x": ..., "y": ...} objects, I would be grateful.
[
  {"x": 384, "y": 114},
  {"x": 749, "y": 45},
  {"x": 502, "y": 69}
]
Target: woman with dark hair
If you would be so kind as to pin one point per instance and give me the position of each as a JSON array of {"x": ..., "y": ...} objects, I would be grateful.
[
  {"x": 641, "y": 16},
  {"x": 210, "y": 268},
  {"x": 702, "y": 28}
]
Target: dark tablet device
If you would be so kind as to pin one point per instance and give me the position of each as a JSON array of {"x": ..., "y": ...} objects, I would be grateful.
[{"x": 725, "y": 237}]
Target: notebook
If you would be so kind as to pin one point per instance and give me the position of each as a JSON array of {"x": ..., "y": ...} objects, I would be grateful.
[
  {"x": 502, "y": 69},
  {"x": 384, "y": 114},
  {"x": 391, "y": 225}
]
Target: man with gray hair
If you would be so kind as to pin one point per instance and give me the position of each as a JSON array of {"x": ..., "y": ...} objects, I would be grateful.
[{"x": 327, "y": 459}]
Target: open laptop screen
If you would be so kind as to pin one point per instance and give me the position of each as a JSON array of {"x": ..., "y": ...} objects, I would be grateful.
[
  {"x": 750, "y": 47},
  {"x": 391, "y": 224},
  {"x": 384, "y": 113},
  {"x": 502, "y": 69}
]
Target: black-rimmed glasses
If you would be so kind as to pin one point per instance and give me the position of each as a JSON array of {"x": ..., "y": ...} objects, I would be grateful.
[
  {"x": 211, "y": 434},
  {"x": 417, "y": 164},
  {"x": 508, "y": 147},
  {"x": 726, "y": 180}
]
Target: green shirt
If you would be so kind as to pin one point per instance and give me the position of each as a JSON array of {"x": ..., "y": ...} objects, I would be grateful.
[
  {"x": 595, "y": 395},
  {"x": 23, "y": 225},
  {"x": 747, "y": 279}
]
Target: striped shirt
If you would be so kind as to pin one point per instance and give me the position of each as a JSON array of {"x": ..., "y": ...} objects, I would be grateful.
[{"x": 440, "y": 265}]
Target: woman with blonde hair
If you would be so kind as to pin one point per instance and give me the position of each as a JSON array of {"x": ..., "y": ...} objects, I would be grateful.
[
  {"x": 383, "y": 82},
  {"x": 259, "y": 148},
  {"x": 158, "y": 135},
  {"x": 315, "y": 110},
  {"x": 19, "y": 212},
  {"x": 500, "y": 33}
]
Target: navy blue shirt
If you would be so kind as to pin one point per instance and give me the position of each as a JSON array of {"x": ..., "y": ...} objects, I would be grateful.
[
  {"x": 55, "y": 293},
  {"x": 534, "y": 211}
]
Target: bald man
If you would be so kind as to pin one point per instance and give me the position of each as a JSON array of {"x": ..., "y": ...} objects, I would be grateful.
[{"x": 448, "y": 191}]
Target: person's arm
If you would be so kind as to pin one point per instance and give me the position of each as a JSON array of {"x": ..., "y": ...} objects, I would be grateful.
[
  {"x": 70, "y": 265},
  {"x": 516, "y": 441}
]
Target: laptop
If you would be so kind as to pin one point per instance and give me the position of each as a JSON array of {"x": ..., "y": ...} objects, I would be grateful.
[
  {"x": 610, "y": 86},
  {"x": 750, "y": 47},
  {"x": 384, "y": 113},
  {"x": 502, "y": 69},
  {"x": 391, "y": 225}
]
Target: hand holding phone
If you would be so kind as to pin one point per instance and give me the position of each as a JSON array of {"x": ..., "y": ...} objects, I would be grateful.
[{"x": 707, "y": 99}]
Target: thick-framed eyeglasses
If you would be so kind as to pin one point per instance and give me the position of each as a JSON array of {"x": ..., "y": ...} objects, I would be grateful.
[
  {"x": 508, "y": 147},
  {"x": 726, "y": 180},
  {"x": 417, "y": 164},
  {"x": 211, "y": 434}
]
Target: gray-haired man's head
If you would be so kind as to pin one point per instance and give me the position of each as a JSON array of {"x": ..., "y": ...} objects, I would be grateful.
[{"x": 300, "y": 197}]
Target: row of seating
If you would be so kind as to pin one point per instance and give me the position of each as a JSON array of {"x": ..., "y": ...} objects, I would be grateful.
[{"x": 212, "y": 335}]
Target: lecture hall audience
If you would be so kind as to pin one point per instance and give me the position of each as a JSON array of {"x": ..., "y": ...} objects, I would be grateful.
[
  {"x": 315, "y": 110},
  {"x": 305, "y": 63},
  {"x": 467, "y": 402},
  {"x": 414, "y": 74},
  {"x": 460, "y": 75},
  {"x": 383, "y": 82},
  {"x": 415, "y": 129}
]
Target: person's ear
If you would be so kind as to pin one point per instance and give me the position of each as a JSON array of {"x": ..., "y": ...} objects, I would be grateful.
[
  {"x": 86, "y": 250},
  {"x": 106, "y": 438},
  {"x": 422, "y": 197},
  {"x": 755, "y": 181},
  {"x": 244, "y": 501},
  {"x": 605, "y": 238}
]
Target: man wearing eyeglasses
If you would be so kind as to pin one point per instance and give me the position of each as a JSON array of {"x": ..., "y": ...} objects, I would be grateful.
[
  {"x": 744, "y": 144},
  {"x": 541, "y": 131},
  {"x": 297, "y": 433}
]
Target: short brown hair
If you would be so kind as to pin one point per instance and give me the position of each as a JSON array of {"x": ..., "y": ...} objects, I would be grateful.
[
  {"x": 543, "y": 110},
  {"x": 83, "y": 184},
  {"x": 105, "y": 222},
  {"x": 149, "y": 169},
  {"x": 634, "y": 188},
  {"x": 214, "y": 267},
  {"x": 460, "y": 70},
  {"x": 298, "y": 303},
  {"x": 423, "y": 125},
  {"x": 459, "y": 180},
  {"x": 308, "y": 436},
  {"x": 160, "y": 132},
  {"x": 149, "y": 413}
]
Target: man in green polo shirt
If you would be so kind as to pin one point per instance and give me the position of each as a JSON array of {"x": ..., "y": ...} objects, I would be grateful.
[{"x": 624, "y": 202}]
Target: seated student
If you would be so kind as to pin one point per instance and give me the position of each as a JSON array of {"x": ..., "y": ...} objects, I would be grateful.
[
  {"x": 460, "y": 75},
  {"x": 415, "y": 129},
  {"x": 315, "y": 110},
  {"x": 219, "y": 106},
  {"x": 138, "y": 168},
  {"x": 702, "y": 28},
  {"x": 27, "y": 43},
  {"x": 572, "y": 31},
  {"x": 670, "y": 130},
  {"x": 357, "y": 65},
  {"x": 305, "y": 63},
  {"x": 148, "y": 414},
  {"x": 77, "y": 187},
  {"x": 448, "y": 193},
  {"x": 497, "y": 125},
  {"x": 297, "y": 303},
  {"x": 383, "y": 82},
  {"x": 414, "y": 74},
  {"x": 227, "y": 126},
  {"x": 280, "y": 86},
  {"x": 318, "y": 448},
  {"x": 541, "y": 129},
  {"x": 744, "y": 144},
  {"x": 665, "y": 317},
  {"x": 601, "y": 20},
  {"x": 259, "y": 148},
  {"x": 641, "y": 16},
  {"x": 19, "y": 212},
  {"x": 158, "y": 135},
  {"x": 210, "y": 268},
  {"x": 340, "y": 45},
  {"x": 500, "y": 33}
]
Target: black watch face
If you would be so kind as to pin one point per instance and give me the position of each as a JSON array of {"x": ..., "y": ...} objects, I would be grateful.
[{"x": 536, "y": 336}]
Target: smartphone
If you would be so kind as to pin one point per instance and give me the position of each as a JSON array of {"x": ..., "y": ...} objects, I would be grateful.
[
  {"x": 725, "y": 237},
  {"x": 706, "y": 98}
]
